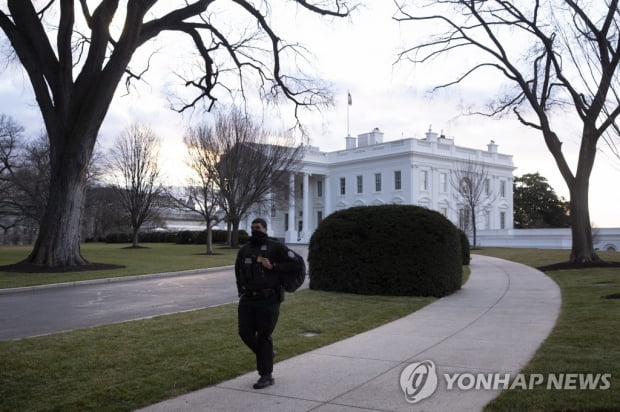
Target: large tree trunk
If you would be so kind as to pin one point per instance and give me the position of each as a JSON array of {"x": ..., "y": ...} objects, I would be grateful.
[
  {"x": 234, "y": 237},
  {"x": 581, "y": 229},
  {"x": 134, "y": 237},
  {"x": 58, "y": 243}
]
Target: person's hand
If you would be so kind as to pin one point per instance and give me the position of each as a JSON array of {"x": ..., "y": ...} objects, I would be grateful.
[{"x": 266, "y": 263}]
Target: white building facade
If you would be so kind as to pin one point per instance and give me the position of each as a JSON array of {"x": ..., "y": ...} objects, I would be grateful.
[{"x": 370, "y": 172}]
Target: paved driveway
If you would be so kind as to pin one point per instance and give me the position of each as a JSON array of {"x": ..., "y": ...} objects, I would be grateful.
[
  {"x": 49, "y": 310},
  {"x": 52, "y": 310}
]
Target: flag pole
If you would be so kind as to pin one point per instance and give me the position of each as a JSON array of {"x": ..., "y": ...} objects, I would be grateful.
[{"x": 349, "y": 103}]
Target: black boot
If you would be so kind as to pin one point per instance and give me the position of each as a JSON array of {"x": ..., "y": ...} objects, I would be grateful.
[{"x": 264, "y": 381}]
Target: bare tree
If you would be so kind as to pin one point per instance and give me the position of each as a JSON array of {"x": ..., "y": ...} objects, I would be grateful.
[
  {"x": 470, "y": 179},
  {"x": 75, "y": 61},
  {"x": 26, "y": 184},
  {"x": 31, "y": 179},
  {"x": 100, "y": 215},
  {"x": 133, "y": 161},
  {"x": 245, "y": 165},
  {"x": 10, "y": 134},
  {"x": 572, "y": 61},
  {"x": 202, "y": 195}
]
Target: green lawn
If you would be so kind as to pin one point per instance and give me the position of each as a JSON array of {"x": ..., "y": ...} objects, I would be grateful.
[
  {"x": 584, "y": 340},
  {"x": 154, "y": 258},
  {"x": 126, "y": 366}
]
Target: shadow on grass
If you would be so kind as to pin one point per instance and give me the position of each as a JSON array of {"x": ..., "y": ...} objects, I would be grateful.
[
  {"x": 575, "y": 265},
  {"x": 23, "y": 267},
  {"x": 612, "y": 296}
]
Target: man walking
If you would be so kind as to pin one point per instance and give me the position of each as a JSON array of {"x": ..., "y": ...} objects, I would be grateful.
[{"x": 258, "y": 267}]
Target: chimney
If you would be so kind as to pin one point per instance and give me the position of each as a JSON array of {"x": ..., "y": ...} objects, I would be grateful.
[
  {"x": 430, "y": 135},
  {"x": 371, "y": 138},
  {"x": 351, "y": 142},
  {"x": 492, "y": 147}
]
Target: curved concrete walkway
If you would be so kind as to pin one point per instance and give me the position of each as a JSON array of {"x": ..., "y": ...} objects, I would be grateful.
[{"x": 494, "y": 324}]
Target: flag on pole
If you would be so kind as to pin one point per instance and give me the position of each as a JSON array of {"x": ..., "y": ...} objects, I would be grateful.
[{"x": 349, "y": 98}]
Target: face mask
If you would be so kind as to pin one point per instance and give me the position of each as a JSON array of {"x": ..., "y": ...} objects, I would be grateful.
[{"x": 257, "y": 234}]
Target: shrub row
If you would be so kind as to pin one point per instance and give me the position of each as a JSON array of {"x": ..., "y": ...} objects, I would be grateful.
[
  {"x": 183, "y": 237},
  {"x": 386, "y": 250}
]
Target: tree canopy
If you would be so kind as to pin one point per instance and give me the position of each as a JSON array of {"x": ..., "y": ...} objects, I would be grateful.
[
  {"x": 77, "y": 53},
  {"x": 536, "y": 205}
]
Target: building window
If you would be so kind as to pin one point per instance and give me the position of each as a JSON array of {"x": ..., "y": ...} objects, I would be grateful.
[
  {"x": 464, "y": 219},
  {"x": 487, "y": 187},
  {"x": 443, "y": 183},
  {"x": 502, "y": 220},
  {"x": 286, "y": 221},
  {"x": 377, "y": 182},
  {"x": 273, "y": 209},
  {"x": 319, "y": 217},
  {"x": 343, "y": 186},
  {"x": 502, "y": 188},
  {"x": 398, "y": 184},
  {"x": 423, "y": 180},
  {"x": 443, "y": 211},
  {"x": 360, "y": 184},
  {"x": 319, "y": 188}
]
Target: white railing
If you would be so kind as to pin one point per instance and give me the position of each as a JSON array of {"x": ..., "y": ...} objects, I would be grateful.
[{"x": 603, "y": 238}]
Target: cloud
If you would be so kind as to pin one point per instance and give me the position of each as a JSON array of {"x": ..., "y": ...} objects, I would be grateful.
[{"x": 355, "y": 56}]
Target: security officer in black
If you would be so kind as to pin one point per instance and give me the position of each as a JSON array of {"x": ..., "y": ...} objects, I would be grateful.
[{"x": 258, "y": 282}]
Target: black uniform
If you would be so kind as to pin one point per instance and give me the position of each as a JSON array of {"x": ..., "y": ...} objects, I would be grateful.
[{"x": 261, "y": 292}]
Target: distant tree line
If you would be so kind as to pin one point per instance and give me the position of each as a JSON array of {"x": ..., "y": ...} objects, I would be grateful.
[{"x": 125, "y": 193}]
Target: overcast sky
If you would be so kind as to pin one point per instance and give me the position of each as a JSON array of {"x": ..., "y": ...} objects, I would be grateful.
[{"x": 355, "y": 55}]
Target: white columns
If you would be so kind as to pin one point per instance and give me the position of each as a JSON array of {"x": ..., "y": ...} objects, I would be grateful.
[
  {"x": 327, "y": 194},
  {"x": 291, "y": 234},
  {"x": 434, "y": 188},
  {"x": 305, "y": 234}
]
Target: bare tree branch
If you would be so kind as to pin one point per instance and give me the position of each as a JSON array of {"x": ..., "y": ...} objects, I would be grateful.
[
  {"x": 572, "y": 60},
  {"x": 75, "y": 61}
]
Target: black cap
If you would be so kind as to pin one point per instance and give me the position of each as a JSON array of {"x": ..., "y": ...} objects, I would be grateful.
[{"x": 260, "y": 221}]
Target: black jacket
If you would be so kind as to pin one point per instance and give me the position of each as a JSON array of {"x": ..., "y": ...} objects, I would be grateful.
[{"x": 252, "y": 275}]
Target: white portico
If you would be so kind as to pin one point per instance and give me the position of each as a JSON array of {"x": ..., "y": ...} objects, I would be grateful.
[{"x": 373, "y": 172}]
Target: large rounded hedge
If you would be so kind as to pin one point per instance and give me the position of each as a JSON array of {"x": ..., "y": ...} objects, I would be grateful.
[{"x": 386, "y": 250}]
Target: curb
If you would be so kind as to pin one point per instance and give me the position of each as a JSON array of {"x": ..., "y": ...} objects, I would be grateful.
[{"x": 78, "y": 283}]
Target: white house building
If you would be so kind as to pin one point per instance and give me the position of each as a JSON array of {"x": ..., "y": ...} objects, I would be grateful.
[{"x": 370, "y": 171}]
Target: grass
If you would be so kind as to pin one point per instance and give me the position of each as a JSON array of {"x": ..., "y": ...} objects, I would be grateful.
[
  {"x": 130, "y": 365},
  {"x": 155, "y": 258},
  {"x": 125, "y": 366},
  {"x": 584, "y": 340}
]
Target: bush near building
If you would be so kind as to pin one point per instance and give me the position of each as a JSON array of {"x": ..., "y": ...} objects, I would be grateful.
[
  {"x": 183, "y": 237},
  {"x": 465, "y": 247},
  {"x": 386, "y": 250}
]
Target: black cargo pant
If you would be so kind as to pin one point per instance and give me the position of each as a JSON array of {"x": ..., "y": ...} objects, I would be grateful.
[{"x": 257, "y": 320}]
